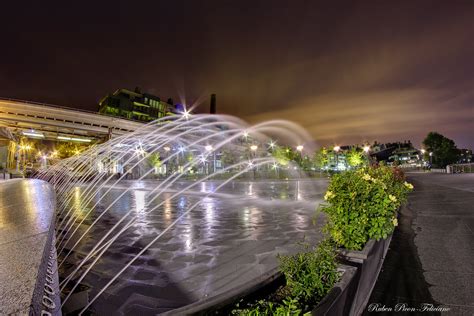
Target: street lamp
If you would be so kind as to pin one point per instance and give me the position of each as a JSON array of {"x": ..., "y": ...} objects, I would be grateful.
[
  {"x": 431, "y": 158},
  {"x": 299, "y": 148},
  {"x": 336, "y": 150},
  {"x": 186, "y": 114},
  {"x": 253, "y": 147},
  {"x": 366, "y": 149}
]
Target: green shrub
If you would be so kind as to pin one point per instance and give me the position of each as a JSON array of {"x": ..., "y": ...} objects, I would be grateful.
[
  {"x": 310, "y": 274},
  {"x": 309, "y": 277},
  {"x": 362, "y": 204}
]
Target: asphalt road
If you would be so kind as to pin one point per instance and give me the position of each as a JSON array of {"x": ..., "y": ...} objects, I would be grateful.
[{"x": 431, "y": 255}]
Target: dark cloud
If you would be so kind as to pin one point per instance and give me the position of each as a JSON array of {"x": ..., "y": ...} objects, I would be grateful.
[{"x": 347, "y": 71}]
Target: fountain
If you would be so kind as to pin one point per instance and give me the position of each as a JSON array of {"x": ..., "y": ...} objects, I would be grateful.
[{"x": 185, "y": 208}]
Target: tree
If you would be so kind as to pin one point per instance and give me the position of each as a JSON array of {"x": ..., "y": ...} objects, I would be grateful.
[
  {"x": 155, "y": 160},
  {"x": 228, "y": 158},
  {"x": 443, "y": 149},
  {"x": 321, "y": 158},
  {"x": 282, "y": 155},
  {"x": 354, "y": 158}
]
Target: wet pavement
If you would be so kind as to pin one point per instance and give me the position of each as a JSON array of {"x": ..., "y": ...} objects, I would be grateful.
[
  {"x": 230, "y": 239},
  {"x": 26, "y": 214},
  {"x": 431, "y": 257}
]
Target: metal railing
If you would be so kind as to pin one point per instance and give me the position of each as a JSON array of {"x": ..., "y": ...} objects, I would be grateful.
[{"x": 461, "y": 168}]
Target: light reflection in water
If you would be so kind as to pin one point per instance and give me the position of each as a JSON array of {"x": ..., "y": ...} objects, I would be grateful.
[
  {"x": 139, "y": 197},
  {"x": 298, "y": 192},
  {"x": 250, "y": 190},
  {"x": 168, "y": 209}
]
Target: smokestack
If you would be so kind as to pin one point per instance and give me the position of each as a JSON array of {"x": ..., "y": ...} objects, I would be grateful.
[{"x": 213, "y": 104}]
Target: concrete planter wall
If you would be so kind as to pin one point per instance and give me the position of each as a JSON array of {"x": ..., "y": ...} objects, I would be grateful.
[
  {"x": 338, "y": 302},
  {"x": 369, "y": 262}
]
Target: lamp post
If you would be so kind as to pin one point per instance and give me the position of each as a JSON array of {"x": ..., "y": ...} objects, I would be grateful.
[
  {"x": 253, "y": 149},
  {"x": 366, "y": 149},
  {"x": 431, "y": 158},
  {"x": 336, "y": 150}
]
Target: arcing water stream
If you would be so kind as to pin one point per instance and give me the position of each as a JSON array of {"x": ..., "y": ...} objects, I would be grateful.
[{"x": 178, "y": 211}]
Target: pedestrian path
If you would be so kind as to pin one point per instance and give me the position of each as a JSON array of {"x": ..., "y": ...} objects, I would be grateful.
[{"x": 431, "y": 258}]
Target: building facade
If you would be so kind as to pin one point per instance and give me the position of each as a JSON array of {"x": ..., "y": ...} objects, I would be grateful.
[{"x": 135, "y": 105}]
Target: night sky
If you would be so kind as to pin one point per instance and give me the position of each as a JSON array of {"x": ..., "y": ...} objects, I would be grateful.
[{"x": 348, "y": 71}]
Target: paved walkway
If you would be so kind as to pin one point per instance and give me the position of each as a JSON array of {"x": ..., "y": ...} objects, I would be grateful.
[
  {"x": 26, "y": 215},
  {"x": 431, "y": 258}
]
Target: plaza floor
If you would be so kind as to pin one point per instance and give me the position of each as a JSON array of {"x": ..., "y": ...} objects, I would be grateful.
[{"x": 233, "y": 237}]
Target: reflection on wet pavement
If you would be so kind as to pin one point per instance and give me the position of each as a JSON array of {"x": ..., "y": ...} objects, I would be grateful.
[{"x": 232, "y": 237}]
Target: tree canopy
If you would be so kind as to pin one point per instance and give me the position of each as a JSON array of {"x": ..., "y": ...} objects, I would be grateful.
[{"x": 443, "y": 149}]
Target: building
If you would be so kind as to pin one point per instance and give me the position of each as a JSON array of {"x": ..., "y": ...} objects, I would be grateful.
[
  {"x": 135, "y": 105},
  {"x": 465, "y": 156}
]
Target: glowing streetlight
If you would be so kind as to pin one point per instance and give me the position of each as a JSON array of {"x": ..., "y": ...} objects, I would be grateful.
[
  {"x": 336, "y": 150},
  {"x": 272, "y": 144},
  {"x": 208, "y": 148},
  {"x": 431, "y": 154},
  {"x": 299, "y": 148},
  {"x": 166, "y": 148},
  {"x": 366, "y": 148},
  {"x": 186, "y": 114},
  {"x": 253, "y": 147},
  {"x": 246, "y": 134},
  {"x": 423, "y": 151},
  {"x": 139, "y": 151}
]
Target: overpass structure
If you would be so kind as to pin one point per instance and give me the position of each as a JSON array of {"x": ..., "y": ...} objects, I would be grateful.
[{"x": 39, "y": 120}]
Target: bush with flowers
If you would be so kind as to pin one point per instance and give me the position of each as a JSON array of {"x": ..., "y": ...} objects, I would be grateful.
[{"x": 362, "y": 204}]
